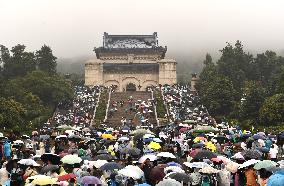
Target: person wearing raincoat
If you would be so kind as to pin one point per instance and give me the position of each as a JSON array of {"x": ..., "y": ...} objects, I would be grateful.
[
  {"x": 250, "y": 177},
  {"x": 7, "y": 150}
]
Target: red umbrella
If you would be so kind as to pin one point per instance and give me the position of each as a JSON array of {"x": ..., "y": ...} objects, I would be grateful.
[
  {"x": 66, "y": 177},
  {"x": 183, "y": 130}
]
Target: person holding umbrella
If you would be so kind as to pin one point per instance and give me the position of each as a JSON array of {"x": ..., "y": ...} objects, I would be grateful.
[{"x": 147, "y": 167}]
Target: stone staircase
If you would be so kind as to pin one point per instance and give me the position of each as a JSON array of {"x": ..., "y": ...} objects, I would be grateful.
[{"x": 115, "y": 119}]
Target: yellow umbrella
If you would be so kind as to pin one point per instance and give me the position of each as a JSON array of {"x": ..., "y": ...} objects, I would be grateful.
[
  {"x": 154, "y": 145},
  {"x": 209, "y": 145},
  {"x": 107, "y": 136},
  {"x": 44, "y": 181},
  {"x": 198, "y": 139}
]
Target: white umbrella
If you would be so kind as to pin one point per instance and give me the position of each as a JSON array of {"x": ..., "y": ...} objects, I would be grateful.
[
  {"x": 166, "y": 155},
  {"x": 169, "y": 182},
  {"x": 209, "y": 170},
  {"x": 97, "y": 163},
  {"x": 173, "y": 169},
  {"x": 248, "y": 163},
  {"x": 238, "y": 156},
  {"x": 61, "y": 136},
  {"x": 199, "y": 165},
  {"x": 28, "y": 162},
  {"x": 232, "y": 167},
  {"x": 148, "y": 136},
  {"x": 18, "y": 142},
  {"x": 123, "y": 138},
  {"x": 132, "y": 172},
  {"x": 152, "y": 157},
  {"x": 158, "y": 140}
]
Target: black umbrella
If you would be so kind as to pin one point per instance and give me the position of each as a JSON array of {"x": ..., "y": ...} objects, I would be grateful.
[
  {"x": 252, "y": 154},
  {"x": 205, "y": 154},
  {"x": 49, "y": 168},
  {"x": 104, "y": 157},
  {"x": 198, "y": 145},
  {"x": 102, "y": 152},
  {"x": 53, "y": 158},
  {"x": 180, "y": 177},
  {"x": 111, "y": 166}
]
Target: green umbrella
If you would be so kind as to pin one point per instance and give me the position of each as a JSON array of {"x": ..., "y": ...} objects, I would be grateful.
[
  {"x": 264, "y": 164},
  {"x": 71, "y": 159}
]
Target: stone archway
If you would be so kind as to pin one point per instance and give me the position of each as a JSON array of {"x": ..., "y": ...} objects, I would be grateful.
[
  {"x": 130, "y": 87},
  {"x": 130, "y": 80},
  {"x": 148, "y": 83}
]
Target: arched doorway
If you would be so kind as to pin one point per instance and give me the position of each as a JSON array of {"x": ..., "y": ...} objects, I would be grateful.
[{"x": 130, "y": 87}]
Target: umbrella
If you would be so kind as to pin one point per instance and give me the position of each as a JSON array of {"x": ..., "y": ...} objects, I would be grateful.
[
  {"x": 158, "y": 140},
  {"x": 88, "y": 180},
  {"x": 49, "y": 168},
  {"x": 180, "y": 177},
  {"x": 74, "y": 137},
  {"x": 104, "y": 157},
  {"x": 199, "y": 165},
  {"x": 102, "y": 152},
  {"x": 28, "y": 162},
  {"x": 198, "y": 145},
  {"x": 157, "y": 174},
  {"x": 205, "y": 154},
  {"x": 263, "y": 149},
  {"x": 276, "y": 179},
  {"x": 131, "y": 151},
  {"x": 248, "y": 163},
  {"x": 111, "y": 166},
  {"x": 86, "y": 129},
  {"x": 264, "y": 164},
  {"x": 174, "y": 164},
  {"x": 25, "y": 137},
  {"x": 238, "y": 156},
  {"x": 107, "y": 136},
  {"x": 152, "y": 157},
  {"x": 71, "y": 159},
  {"x": 252, "y": 154},
  {"x": 208, "y": 170},
  {"x": 232, "y": 167},
  {"x": 198, "y": 139},
  {"x": 257, "y": 137},
  {"x": 53, "y": 158},
  {"x": 66, "y": 177},
  {"x": 44, "y": 181},
  {"x": 172, "y": 169},
  {"x": 61, "y": 137},
  {"x": 203, "y": 129},
  {"x": 18, "y": 142},
  {"x": 154, "y": 145},
  {"x": 132, "y": 172},
  {"x": 97, "y": 163},
  {"x": 166, "y": 155},
  {"x": 123, "y": 138},
  {"x": 169, "y": 182}
]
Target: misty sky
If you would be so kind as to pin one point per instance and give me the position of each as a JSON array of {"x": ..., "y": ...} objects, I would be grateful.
[{"x": 189, "y": 28}]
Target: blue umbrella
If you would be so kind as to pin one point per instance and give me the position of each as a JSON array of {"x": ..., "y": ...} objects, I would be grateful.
[
  {"x": 147, "y": 140},
  {"x": 111, "y": 166},
  {"x": 174, "y": 164},
  {"x": 257, "y": 137},
  {"x": 276, "y": 179},
  {"x": 143, "y": 184},
  {"x": 263, "y": 149},
  {"x": 198, "y": 145}
]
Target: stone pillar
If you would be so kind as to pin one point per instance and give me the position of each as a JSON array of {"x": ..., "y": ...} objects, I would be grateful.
[
  {"x": 167, "y": 71},
  {"x": 94, "y": 73},
  {"x": 193, "y": 82}
]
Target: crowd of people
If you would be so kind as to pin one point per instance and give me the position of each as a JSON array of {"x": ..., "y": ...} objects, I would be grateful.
[{"x": 191, "y": 150}]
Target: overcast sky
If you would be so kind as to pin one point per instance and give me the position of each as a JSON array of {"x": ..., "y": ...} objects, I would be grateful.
[{"x": 188, "y": 27}]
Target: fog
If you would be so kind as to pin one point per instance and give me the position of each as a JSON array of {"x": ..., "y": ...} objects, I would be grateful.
[{"x": 189, "y": 28}]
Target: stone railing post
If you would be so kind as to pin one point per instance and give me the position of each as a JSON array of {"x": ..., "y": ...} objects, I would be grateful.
[{"x": 108, "y": 101}]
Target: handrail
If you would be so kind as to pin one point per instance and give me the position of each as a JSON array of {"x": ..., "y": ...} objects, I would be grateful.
[
  {"x": 109, "y": 95},
  {"x": 155, "y": 108},
  {"x": 97, "y": 104},
  {"x": 166, "y": 105}
]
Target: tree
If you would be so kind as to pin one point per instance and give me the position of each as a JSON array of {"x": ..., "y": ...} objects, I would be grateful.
[
  {"x": 46, "y": 60},
  {"x": 17, "y": 64},
  {"x": 234, "y": 63},
  {"x": 272, "y": 111},
  {"x": 12, "y": 114},
  {"x": 254, "y": 95}
]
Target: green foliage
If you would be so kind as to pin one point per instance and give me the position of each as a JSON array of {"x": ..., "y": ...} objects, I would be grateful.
[
  {"x": 160, "y": 107},
  {"x": 46, "y": 60},
  {"x": 102, "y": 106},
  {"x": 272, "y": 111},
  {"x": 28, "y": 96},
  {"x": 237, "y": 85}
]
